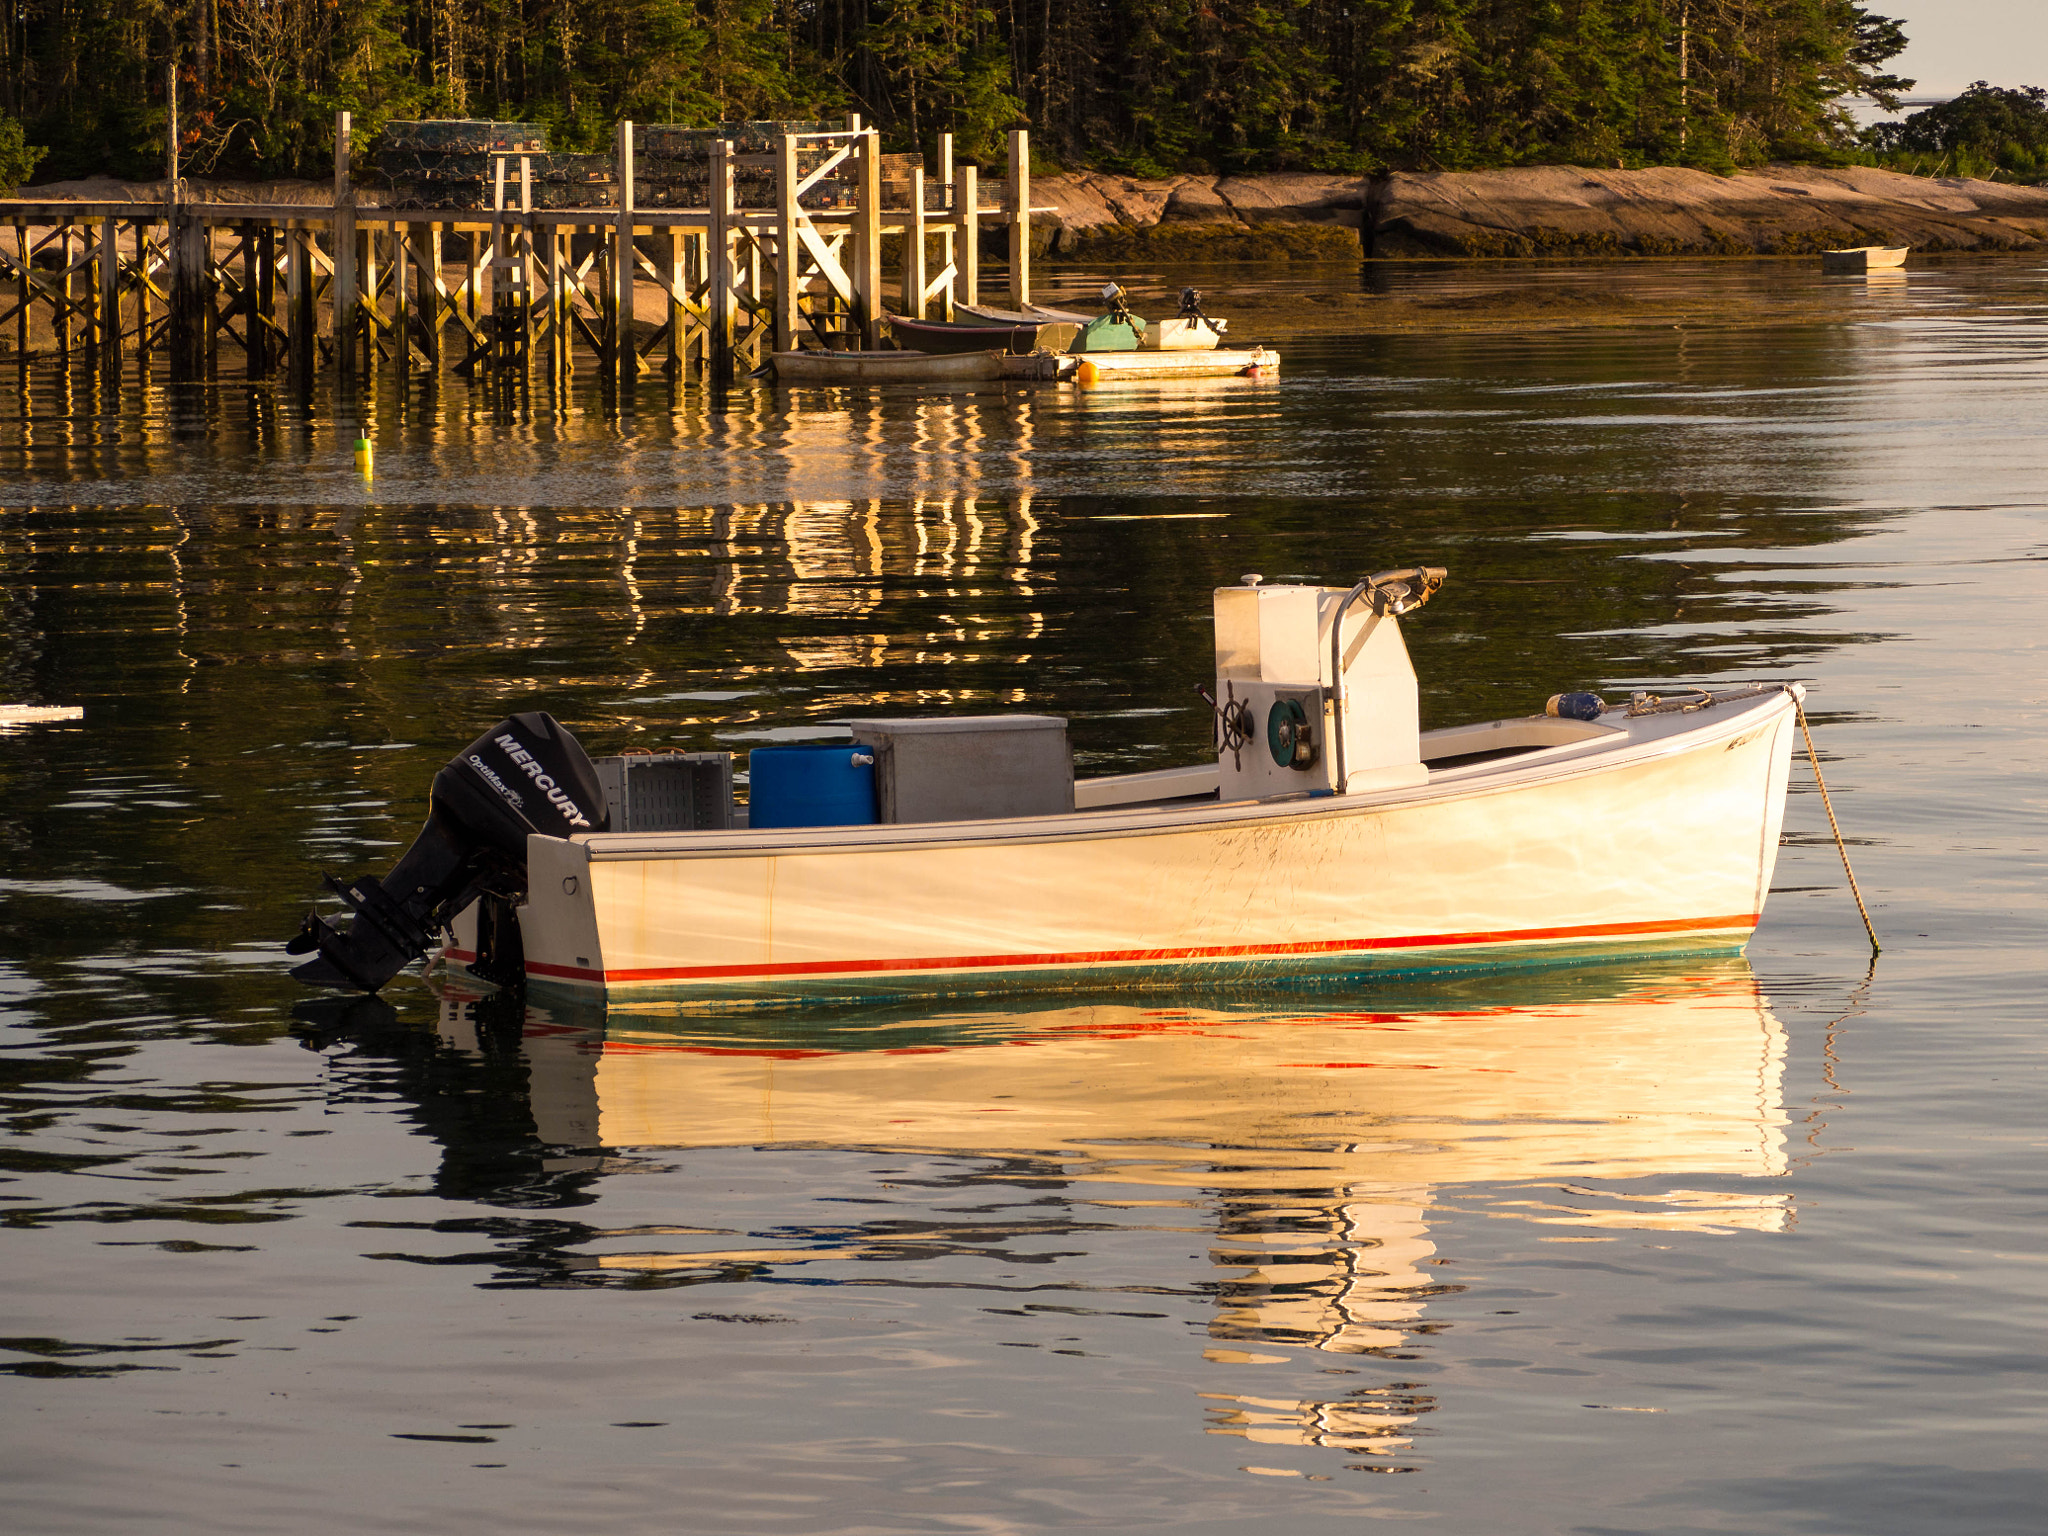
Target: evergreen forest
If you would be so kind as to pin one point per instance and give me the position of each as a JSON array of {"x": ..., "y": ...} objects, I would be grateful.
[{"x": 1141, "y": 86}]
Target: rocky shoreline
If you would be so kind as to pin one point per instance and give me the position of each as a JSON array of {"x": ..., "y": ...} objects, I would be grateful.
[
  {"x": 1549, "y": 210},
  {"x": 1778, "y": 210}
]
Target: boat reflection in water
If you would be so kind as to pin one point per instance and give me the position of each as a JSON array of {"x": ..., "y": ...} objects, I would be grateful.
[{"x": 1310, "y": 1140}]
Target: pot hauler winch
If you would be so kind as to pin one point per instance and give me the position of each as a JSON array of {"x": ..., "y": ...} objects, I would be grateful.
[
  {"x": 524, "y": 775},
  {"x": 1314, "y": 690}
]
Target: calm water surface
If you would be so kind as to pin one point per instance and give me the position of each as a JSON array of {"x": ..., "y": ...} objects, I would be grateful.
[{"x": 1713, "y": 1246}]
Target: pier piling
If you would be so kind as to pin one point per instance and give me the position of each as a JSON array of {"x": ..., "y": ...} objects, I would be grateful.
[
  {"x": 782, "y": 248},
  {"x": 343, "y": 247}
]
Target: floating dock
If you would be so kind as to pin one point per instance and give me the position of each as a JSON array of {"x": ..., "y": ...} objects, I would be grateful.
[
  {"x": 837, "y": 368},
  {"x": 1130, "y": 367},
  {"x": 38, "y": 714}
]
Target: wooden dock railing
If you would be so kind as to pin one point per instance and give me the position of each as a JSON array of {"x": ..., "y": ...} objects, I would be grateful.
[{"x": 700, "y": 294}]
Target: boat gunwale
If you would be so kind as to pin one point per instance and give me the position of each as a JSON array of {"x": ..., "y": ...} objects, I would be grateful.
[{"x": 1560, "y": 764}]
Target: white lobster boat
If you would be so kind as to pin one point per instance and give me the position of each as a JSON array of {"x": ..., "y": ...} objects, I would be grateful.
[{"x": 1331, "y": 837}]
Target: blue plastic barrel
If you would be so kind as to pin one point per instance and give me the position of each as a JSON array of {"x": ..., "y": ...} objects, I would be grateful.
[{"x": 811, "y": 786}]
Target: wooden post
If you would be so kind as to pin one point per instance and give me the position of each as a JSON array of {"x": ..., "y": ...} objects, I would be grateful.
[
  {"x": 525, "y": 269},
  {"x": 95, "y": 314},
  {"x": 626, "y": 358},
  {"x": 143, "y": 317},
  {"x": 721, "y": 266},
  {"x": 696, "y": 267},
  {"x": 189, "y": 312},
  {"x": 403, "y": 238},
  {"x": 60, "y": 320},
  {"x": 343, "y": 229},
  {"x": 171, "y": 128},
  {"x": 1020, "y": 218},
  {"x": 967, "y": 214},
  {"x": 110, "y": 298},
  {"x": 913, "y": 249},
  {"x": 366, "y": 251},
  {"x": 789, "y": 256},
  {"x": 561, "y": 361},
  {"x": 433, "y": 316},
  {"x": 472, "y": 273},
  {"x": 678, "y": 315},
  {"x": 867, "y": 241},
  {"x": 171, "y": 321},
  {"x": 21, "y": 244},
  {"x": 210, "y": 286},
  {"x": 495, "y": 315},
  {"x": 266, "y": 298},
  {"x": 754, "y": 293},
  {"x": 252, "y": 328},
  {"x": 948, "y": 249},
  {"x": 298, "y": 278}
]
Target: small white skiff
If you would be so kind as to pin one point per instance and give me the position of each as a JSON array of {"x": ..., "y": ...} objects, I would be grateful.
[
  {"x": 1330, "y": 836},
  {"x": 1864, "y": 258},
  {"x": 820, "y": 367}
]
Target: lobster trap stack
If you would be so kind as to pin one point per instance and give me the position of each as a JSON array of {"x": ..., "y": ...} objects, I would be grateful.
[
  {"x": 450, "y": 164},
  {"x": 672, "y": 165}
]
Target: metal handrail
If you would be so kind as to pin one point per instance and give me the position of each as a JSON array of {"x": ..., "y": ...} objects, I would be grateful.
[{"x": 1429, "y": 577}]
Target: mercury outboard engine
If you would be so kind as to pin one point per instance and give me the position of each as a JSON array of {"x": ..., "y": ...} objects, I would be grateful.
[{"x": 523, "y": 775}]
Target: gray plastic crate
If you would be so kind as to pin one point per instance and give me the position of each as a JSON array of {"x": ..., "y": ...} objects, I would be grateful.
[
  {"x": 668, "y": 791},
  {"x": 969, "y": 767}
]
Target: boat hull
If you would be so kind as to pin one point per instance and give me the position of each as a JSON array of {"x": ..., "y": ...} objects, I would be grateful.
[
  {"x": 1130, "y": 367},
  {"x": 939, "y": 338},
  {"x": 1865, "y": 258},
  {"x": 888, "y": 367},
  {"x": 1662, "y": 845},
  {"x": 1032, "y": 314}
]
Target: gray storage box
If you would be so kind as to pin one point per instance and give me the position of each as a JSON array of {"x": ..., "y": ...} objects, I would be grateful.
[
  {"x": 969, "y": 767},
  {"x": 668, "y": 791}
]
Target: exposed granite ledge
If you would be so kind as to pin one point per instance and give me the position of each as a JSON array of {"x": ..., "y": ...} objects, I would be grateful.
[
  {"x": 1777, "y": 210},
  {"x": 1563, "y": 210}
]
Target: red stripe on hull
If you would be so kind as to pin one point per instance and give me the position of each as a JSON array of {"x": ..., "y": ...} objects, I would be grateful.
[{"x": 1134, "y": 956}]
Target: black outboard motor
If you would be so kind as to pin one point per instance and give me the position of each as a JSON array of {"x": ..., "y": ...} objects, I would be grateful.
[{"x": 523, "y": 775}]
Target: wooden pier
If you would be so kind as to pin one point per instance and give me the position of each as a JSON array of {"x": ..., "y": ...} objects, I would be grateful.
[{"x": 511, "y": 291}]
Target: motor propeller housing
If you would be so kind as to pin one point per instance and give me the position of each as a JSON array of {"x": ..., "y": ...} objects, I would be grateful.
[{"x": 524, "y": 775}]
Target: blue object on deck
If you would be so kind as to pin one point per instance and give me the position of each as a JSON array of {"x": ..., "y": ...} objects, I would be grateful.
[
  {"x": 1575, "y": 706},
  {"x": 829, "y": 785}
]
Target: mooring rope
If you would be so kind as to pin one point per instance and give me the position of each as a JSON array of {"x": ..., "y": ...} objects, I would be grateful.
[{"x": 1827, "y": 804}]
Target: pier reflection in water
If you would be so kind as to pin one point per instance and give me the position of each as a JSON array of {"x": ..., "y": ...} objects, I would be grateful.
[{"x": 1313, "y": 1146}]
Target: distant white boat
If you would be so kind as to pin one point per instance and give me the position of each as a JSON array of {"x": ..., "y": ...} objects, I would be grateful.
[{"x": 1864, "y": 258}]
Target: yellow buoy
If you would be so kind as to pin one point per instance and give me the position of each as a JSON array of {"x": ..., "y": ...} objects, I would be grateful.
[
  {"x": 1087, "y": 373},
  {"x": 363, "y": 452}
]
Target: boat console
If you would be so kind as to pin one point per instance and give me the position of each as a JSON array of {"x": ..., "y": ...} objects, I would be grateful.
[{"x": 1314, "y": 689}]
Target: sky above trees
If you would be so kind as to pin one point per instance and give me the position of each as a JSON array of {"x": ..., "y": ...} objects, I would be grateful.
[{"x": 1953, "y": 42}]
